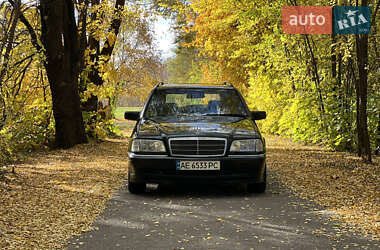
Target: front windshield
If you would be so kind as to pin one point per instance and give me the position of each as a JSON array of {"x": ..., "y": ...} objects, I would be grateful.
[{"x": 190, "y": 102}]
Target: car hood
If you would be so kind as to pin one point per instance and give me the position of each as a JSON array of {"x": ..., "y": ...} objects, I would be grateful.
[{"x": 212, "y": 126}]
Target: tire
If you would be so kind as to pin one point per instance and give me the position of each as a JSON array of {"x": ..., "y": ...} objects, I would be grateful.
[
  {"x": 136, "y": 188},
  {"x": 258, "y": 187}
]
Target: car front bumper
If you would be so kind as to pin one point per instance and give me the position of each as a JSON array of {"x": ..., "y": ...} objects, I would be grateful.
[{"x": 161, "y": 169}]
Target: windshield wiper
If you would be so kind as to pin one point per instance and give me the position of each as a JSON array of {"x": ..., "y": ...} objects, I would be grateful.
[{"x": 233, "y": 115}]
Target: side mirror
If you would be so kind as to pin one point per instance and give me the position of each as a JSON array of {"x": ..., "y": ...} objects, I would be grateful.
[
  {"x": 132, "y": 115},
  {"x": 258, "y": 115}
]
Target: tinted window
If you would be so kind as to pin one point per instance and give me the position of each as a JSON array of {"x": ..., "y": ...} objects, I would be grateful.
[{"x": 171, "y": 102}]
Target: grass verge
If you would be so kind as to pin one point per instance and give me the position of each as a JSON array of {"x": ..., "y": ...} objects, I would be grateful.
[{"x": 119, "y": 111}]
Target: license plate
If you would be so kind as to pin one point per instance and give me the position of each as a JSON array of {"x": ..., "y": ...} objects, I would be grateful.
[{"x": 198, "y": 165}]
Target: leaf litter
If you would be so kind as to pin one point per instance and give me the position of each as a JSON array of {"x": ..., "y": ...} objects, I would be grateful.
[
  {"x": 347, "y": 188},
  {"x": 57, "y": 194}
]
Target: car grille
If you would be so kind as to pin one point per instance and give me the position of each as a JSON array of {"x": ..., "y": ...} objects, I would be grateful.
[{"x": 197, "y": 146}]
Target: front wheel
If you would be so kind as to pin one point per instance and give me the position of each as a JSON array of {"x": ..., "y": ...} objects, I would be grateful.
[
  {"x": 136, "y": 188},
  {"x": 258, "y": 187}
]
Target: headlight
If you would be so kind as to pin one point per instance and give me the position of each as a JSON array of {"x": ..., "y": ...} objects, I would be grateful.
[
  {"x": 250, "y": 145},
  {"x": 151, "y": 146}
]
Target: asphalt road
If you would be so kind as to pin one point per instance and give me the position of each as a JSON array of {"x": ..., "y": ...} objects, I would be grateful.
[{"x": 216, "y": 217}]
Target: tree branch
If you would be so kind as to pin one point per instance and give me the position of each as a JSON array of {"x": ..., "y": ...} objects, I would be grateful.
[
  {"x": 31, "y": 31},
  {"x": 115, "y": 26},
  {"x": 12, "y": 29}
]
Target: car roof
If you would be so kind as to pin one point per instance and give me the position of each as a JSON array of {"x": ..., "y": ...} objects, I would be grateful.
[{"x": 225, "y": 85}]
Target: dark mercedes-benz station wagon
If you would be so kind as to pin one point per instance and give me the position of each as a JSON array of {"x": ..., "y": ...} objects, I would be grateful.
[{"x": 193, "y": 133}]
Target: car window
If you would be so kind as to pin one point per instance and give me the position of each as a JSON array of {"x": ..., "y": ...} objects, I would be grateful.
[{"x": 174, "y": 102}]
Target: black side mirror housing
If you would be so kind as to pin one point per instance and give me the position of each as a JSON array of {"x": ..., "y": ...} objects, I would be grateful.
[
  {"x": 258, "y": 115},
  {"x": 132, "y": 115}
]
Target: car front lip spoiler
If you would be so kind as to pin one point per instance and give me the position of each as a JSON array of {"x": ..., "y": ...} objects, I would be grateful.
[{"x": 167, "y": 157}]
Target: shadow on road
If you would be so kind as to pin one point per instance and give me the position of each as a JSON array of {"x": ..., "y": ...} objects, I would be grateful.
[{"x": 197, "y": 190}]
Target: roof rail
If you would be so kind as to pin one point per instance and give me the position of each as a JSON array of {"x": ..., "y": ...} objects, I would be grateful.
[{"x": 227, "y": 83}]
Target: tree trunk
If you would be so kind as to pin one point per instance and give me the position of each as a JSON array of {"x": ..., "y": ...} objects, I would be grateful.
[
  {"x": 316, "y": 77},
  {"x": 361, "y": 86},
  {"x": 378, "y": 137},
  {"x": 333, "y": 56},
  {"x": 59, "y": 36}
]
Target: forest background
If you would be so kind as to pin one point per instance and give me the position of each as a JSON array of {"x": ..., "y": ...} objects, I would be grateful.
[{"x": 64, "y": 68}]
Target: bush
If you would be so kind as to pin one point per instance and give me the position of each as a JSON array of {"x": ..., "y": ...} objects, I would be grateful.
[{"x": 33, "y": 129}]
